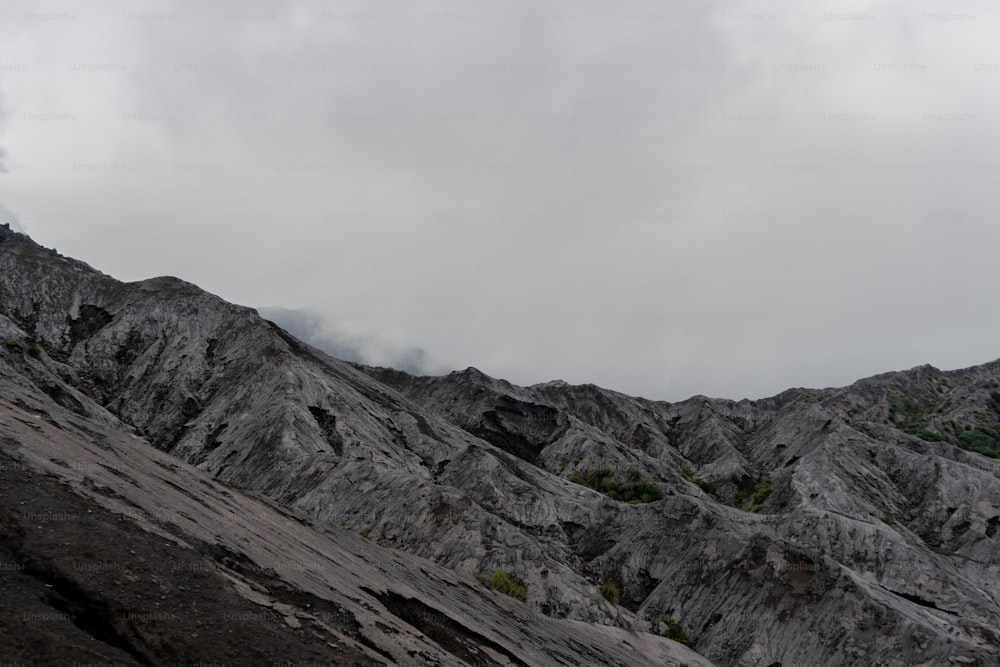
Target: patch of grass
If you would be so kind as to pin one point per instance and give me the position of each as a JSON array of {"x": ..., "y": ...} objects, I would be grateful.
[
  {"x": 508, "y": 585},
  {"x": 811, "y": 398},
  {"x": 34, "y": 350},
  {"x": 761, "y": 492},
  {"x": 995, "y": 401},
  {"x": 982, "y": 440},
  {"x": 611, "y": 593},
  {"x": 687, "y": 474},
  {"x": 635, "y": 490},
  {"x": 13, "y": 345},
  {"x": 910, "y": 417},
  {"x": 885, "y": 517},
  {"x": 930, "y": 436},
  {"x": 710, "y": 487},
  {"x": 676, "y": 632},
  {"x": 738, "y": 491}
]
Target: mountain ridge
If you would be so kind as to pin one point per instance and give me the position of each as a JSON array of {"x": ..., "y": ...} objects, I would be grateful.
[{"x": 836, "y": 526}]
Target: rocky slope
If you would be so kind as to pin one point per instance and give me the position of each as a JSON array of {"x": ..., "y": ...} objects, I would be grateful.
[
  {"x": 840, "y": 526},
  {"x": 111, "y": 550}
]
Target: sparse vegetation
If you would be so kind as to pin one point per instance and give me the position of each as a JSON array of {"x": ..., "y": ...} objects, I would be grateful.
[
  {"x": 761, "y": 492},
  {"x": 982, "y": 440},
  {"x": 742, "y": 492},
  {"x": 13, "y": 345},
  {"x": 634, "y": 490},
  {"x": 910, "y": 417},
  {"x": 885, "y": 517},
  {"x": 675, "y": 631},
  {"x": 984, "y": 437},
  {"x": 710, "y": 487},
  {"x": 508, "y": 585},
  {"x": 611, "y": 593},
  {"x": 34, "y": 350}
]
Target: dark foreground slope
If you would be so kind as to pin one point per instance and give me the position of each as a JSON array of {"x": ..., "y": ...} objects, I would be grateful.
[
  {"x": 112, "y": 550},
  {"x": 827, "y": 527}
]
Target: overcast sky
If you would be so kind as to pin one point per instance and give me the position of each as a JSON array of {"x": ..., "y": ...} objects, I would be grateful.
[{"x": 664, "y": 198}]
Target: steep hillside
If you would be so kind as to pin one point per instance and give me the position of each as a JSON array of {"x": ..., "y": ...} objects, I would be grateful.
[
  {"x": 114, "y": 551},
  {"x": 843, "y": 526},
  {"x": 837, "y": 523}
]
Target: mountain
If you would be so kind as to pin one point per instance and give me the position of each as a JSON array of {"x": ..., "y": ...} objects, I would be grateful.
[{"x": 374, "y": 517}]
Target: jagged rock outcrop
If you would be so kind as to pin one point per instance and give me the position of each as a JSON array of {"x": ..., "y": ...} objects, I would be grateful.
[
  {"x": 111, "y": 550},
  {"x": 861, "y": 536},
  {"x": 839, "y": 526}
]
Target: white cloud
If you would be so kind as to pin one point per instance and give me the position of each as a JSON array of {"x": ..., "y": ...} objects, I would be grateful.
[{"x": 663, "y": 199}]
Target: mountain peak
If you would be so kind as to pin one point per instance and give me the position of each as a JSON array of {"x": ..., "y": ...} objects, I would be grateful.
[{"x": 474, "y": 509}]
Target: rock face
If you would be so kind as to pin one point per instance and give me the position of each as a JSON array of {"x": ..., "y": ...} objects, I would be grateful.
[{"x": 839, "y": 526}]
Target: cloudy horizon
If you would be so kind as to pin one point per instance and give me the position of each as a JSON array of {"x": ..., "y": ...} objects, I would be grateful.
[{"x": 661, "y": 199}]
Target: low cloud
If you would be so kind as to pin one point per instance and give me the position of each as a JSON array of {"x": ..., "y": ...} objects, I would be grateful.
[
  {"x": 368, "y": 349},
  {"x": 661, "y": 202},
  {"x": 3, "y": 151},
  {"x": 7, "y": 217}
]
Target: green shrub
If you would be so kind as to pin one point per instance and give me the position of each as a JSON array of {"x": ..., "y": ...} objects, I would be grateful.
[
  {"x": 13, "y": 345},
  {"x": 611, "y": 593},
  {"x": 710, "y": 487},
  {"x": 982, "y": 440},
  {"x": 761, "y": 492},
  {"x": 995, "y": 401},
  {"x": 635, "y": 490},
  {"x": 34, "y": 350},
  {"x": 676, "y": 632},
  {"x": 907, "y": 413},
  {"x": 508, "y": 585},
  {"x": 742, "y": 492}
]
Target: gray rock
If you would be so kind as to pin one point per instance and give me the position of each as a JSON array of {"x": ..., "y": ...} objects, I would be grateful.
[{"x": 814, "y": 527}]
